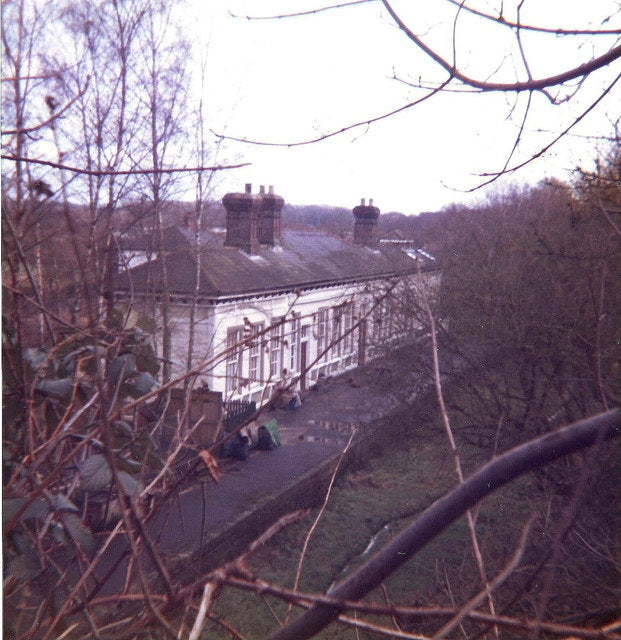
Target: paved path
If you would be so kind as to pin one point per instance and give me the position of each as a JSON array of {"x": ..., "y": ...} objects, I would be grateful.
[
  {"x": 330, "y": 409},
  {"x": 313, "y": 433},
  {"x": 211, "y": 508}
]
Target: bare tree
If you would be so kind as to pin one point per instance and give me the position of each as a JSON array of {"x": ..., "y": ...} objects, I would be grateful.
[
  {"x": 164, "y": 89},
  {"x": 513, "y": 274},
  {"x": 25, "y": 195}
]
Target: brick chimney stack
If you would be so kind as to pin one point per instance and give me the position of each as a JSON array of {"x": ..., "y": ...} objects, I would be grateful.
[
  {"x": 253, "y": 219},
  {"x": 269, "y": 218},
  {"x": 242, "y": 217},
  {"x": 365, "y": 224}
]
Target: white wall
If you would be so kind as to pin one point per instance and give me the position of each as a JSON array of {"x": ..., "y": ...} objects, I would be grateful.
[
  {"x": 204, "y": 330},
  {"x": 301, "y": 308}
]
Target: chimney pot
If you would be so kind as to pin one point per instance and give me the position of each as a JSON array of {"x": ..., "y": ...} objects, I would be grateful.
[
  {"x": 248, "y": 187},
  {"x": 370, "y": 202},
  {"x": 262, "y": 189},
  {"x": 270, "y": 231},
  {"x": 362, "y": 202}
]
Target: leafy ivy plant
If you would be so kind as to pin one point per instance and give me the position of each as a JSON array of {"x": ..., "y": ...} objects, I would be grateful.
[{"x": 65, "y": 463}]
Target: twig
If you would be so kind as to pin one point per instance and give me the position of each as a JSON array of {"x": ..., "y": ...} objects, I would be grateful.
[
  {"x": 298, "y": 14},
  {"x": 449, "y": 433},
  {"x": 280, "y": 524},
  {"x": 171, "y": 458},
  {"x": 271, "y": 609},
  {"x": 49, "y": 121},
  {"x": 234, "y": 633},
  {"x": 209, "y": 593},
  {"x": 336, "y": 132},
  {"x": 84, "y": 577},
  {"x": 501, "y": 20},
  {"x": 496, "y": 582},
  {"x": 387, "y": 600},
  {"x": 309, "y": 535},
  {"x": 385, "y": 631},
  {"x": 496, "y": 174},
  {"x": 113, "y": 172}
]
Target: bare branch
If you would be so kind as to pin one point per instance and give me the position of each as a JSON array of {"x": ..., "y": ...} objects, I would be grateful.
[
  {"x": 305, "y": 600},
  {"x": 55, "y": 116},
  {"x": 303, "y": 13},
  {"x": 363, "y": 123},
  {"x": 437, "y": 380},
  {"x": 45, "y": 309},
  {"x": 112, "y": 172},
  {"x": 43, "y": 76},
  {"x": 384, "y": 631},
  {"x": 495, "y": 175},
  {"x": 529, "y": 85},
  {"x": 209, "y": 594},
  {"x": 494, "y": 584},
  {"x": 310, "y": 532},
  {"x": 529, "y": 27}
]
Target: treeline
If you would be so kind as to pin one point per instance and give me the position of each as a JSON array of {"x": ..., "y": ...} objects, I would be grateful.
[
  {"x": 529, "y": 329},
  {"x": 530, "y": 302},
  {"x": 339, "y": 221}
]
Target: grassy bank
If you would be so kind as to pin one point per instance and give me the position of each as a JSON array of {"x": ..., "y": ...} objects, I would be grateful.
[{"x": 394, "y": 488}]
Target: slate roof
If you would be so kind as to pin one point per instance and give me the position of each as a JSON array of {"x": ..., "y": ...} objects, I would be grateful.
[
  {"x": 174, "y": 238},
  {"x": 306, "y": 259}
]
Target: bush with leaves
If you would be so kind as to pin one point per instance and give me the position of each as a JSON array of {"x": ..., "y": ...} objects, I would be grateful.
[{"x": 70, "y": 453}]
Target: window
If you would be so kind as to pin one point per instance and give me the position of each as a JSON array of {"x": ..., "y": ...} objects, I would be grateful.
[
  {"x": 321, "y": 333},
  {"x": 294, "y": 325},
  {"x": 389, "y": 320},
  {"x": 363, "y": 311},
  {"x": 348, "y": 323},
  {"x": 276, "y": 344},
  {"x": 256, "y": 354},
  {"x": 377, "y": 323},
  {"x": 234, "y": 338},
  {"x": 337, "y": 313}
]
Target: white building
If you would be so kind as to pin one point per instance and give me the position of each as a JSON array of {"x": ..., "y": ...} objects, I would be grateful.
[{"x": 269, "y": 299}]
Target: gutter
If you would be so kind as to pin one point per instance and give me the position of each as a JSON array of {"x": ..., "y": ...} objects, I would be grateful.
[{"x": 221, "y": 297}]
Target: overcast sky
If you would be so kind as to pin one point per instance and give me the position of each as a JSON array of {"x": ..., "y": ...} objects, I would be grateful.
[{"x": 294, "y": 79}]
